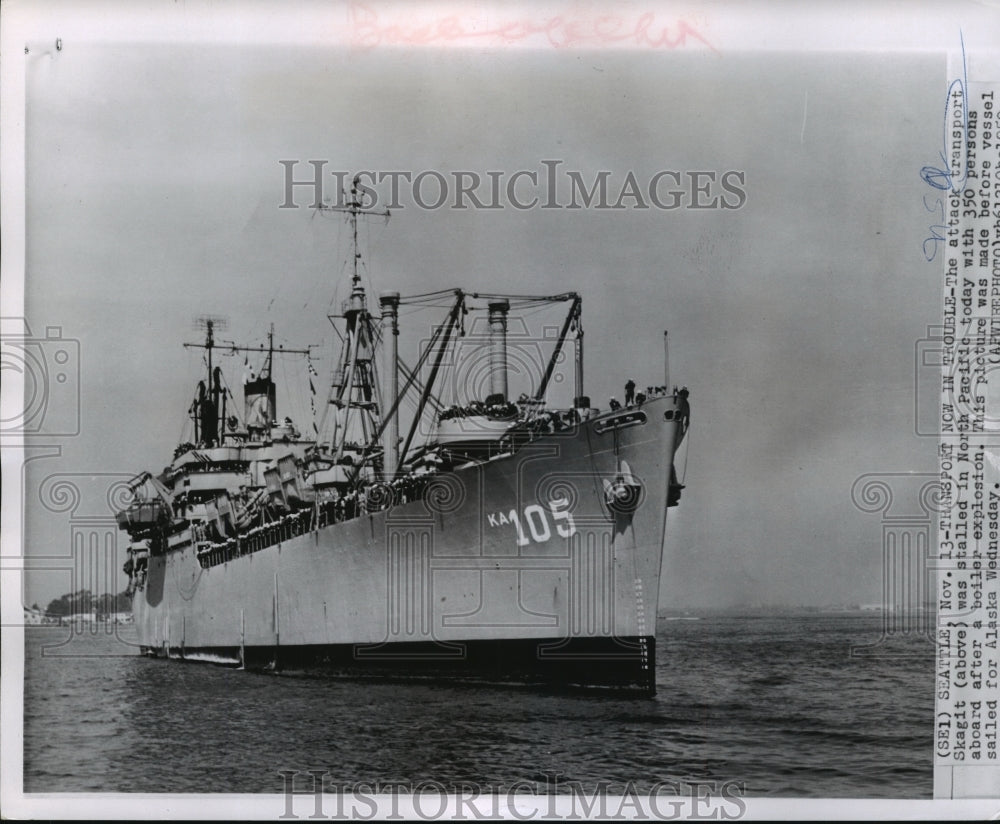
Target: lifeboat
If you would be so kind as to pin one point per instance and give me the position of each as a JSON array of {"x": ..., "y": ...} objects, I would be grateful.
[{"x": 144, "y": 515}]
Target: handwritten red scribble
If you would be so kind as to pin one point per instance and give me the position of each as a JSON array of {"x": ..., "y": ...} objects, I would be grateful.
[{"x": 560, "y": 31}]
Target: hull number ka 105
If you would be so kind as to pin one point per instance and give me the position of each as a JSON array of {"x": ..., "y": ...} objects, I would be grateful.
[{"x": 532, "y": 524}]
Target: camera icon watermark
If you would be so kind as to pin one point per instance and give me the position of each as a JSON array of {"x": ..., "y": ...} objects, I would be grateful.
[
  {"x": 48, "y": 365},
  {"x": 471, "y": 368}
]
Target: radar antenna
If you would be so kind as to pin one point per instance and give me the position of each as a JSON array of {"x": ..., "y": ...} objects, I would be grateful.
[{"x": 357, "y": 205}]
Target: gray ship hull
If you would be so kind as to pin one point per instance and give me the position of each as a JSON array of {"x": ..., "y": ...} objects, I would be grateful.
[{"x": 515, "y": 569}]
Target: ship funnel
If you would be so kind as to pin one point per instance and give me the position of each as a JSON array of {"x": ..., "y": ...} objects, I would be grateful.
[
  {"x": 498, "y": 347},
  {"x": 390, "y": 383},
  {"x": 259, "y": 404}
]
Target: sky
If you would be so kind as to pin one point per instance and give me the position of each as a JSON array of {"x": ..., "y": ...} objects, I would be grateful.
[{"x": 153, "y": 193}]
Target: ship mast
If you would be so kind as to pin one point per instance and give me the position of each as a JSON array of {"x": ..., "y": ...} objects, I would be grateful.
[
  {"x": 270, "y": 352},
  {"x": 354, "y": 382},
  {"x": 209, "y": 409}
]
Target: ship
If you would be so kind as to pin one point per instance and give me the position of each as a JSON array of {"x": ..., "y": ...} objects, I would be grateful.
[{"x": 497, "y": 539}]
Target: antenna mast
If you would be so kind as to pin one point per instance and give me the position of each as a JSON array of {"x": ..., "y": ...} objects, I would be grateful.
[
  {"x": 354, "y": 380},
  {"x": 209, "y": 408},
  {"x": 354, "y": 207}
]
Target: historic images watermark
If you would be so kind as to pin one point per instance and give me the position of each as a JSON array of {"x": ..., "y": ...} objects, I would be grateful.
[
  {"x": 908, "y": 504},
  {"x": 320, "y": 797},
  {"x": 547, "y": 187}
]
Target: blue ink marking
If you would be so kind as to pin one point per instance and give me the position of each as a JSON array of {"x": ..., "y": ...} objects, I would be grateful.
[
  {"x": 935, "y": 238},
  {"x": 947, "y": 179}
]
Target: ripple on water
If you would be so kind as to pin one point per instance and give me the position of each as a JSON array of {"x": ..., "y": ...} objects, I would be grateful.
[{"x": 777, "y": 705}]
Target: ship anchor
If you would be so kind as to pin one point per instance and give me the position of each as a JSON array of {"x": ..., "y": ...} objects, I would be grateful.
[{"x": 623, "y": 493}]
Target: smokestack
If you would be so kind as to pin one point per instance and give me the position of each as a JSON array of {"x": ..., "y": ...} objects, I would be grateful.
[
  {"x": 390, "y": 382},
  {"x": 498, "y": 347}
]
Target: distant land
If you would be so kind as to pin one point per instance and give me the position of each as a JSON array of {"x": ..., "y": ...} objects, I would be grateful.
[
  {"x": 751, "y": 610},
  {"x": 84, "y": 602},
  {"x": 107, "y": 606}
]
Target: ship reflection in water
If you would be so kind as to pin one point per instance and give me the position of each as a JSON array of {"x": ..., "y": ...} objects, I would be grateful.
[{"x": 759, "y": 701}]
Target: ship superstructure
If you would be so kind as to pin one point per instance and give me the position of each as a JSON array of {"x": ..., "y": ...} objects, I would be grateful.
[{"x": 493, "y": 537}]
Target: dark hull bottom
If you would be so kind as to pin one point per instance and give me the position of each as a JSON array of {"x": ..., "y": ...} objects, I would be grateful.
[{"x": 626, "y": 664}]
